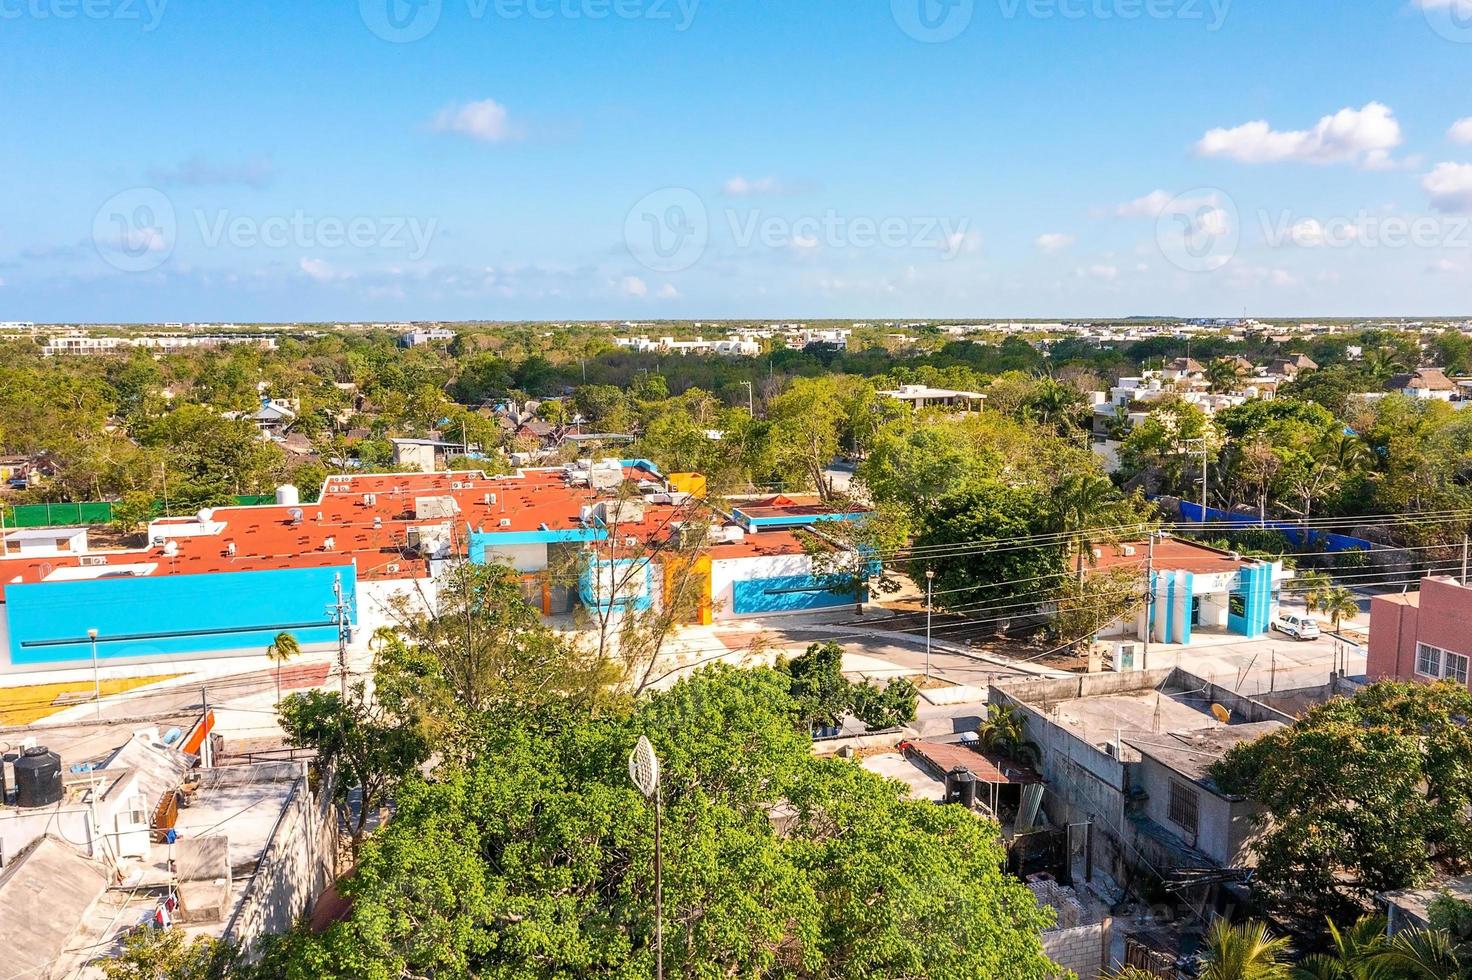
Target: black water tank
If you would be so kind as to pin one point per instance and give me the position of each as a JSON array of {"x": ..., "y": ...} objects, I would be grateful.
[
  {"x": 961, "y": 787},
  {"x": 37, "y": 777}
]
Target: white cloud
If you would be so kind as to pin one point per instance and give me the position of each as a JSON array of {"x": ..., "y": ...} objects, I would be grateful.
[
  {"x": 961, "y": 241},
  {"x": 1450, "y": 187},
  {"x": 322, "y": 271},
  {"x": 1157, "y": 202},
  {"x": 486, "y": 121},
  {"x": 634, "y": 286},
  {"x": 668, "y": 291},
  {"x": 1104, "y": 273},
  {"x": 739, "y": 186},
  {"x": 1461, "y": 131},
  {"x": 1443, "y": 267},
  {"x": 1311, "y": 233},
  {"x": 1462, "y": 8},
  {"x": 1148, "y": 206},
  {"x": 1053, "y": 241},
  {"x": 1359, "y": 136}
]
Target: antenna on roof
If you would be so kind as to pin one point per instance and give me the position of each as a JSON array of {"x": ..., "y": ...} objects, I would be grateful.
[{"x": 295, "y": 514}]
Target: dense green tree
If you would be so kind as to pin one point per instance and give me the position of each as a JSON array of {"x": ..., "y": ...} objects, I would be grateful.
[
  {"x": 1363, "y": 795},
  {"x": 533, "y": 858}
]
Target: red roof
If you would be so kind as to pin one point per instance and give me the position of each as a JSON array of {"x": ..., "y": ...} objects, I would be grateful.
[
  {"x": 1171, "y": 555},
  {"x": 368, "y": 517},
  {"x": 945, "y": 757}
]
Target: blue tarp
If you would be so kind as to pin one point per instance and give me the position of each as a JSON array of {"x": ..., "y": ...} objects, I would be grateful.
[{"x": 1297, "y": 534}]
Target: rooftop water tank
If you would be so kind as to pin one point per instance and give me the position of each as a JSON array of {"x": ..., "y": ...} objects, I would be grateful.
[
  {"x": 37, "y": 777},
  {"x": 287, "y": 496}
]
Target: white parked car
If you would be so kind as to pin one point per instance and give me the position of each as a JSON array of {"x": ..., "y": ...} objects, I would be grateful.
[{"x": 1296, "y": 626}]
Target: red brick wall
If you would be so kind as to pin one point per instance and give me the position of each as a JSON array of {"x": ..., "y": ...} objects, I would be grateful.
[{"x": 1443, "y": 619}]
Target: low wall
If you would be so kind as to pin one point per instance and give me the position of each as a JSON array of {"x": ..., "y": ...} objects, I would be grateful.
[
  {"x": 298, "y": 864},
  {"x": 1082, "y": 949}
]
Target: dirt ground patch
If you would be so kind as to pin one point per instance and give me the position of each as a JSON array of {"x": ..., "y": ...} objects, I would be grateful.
[{"x": 23, "y": 705}]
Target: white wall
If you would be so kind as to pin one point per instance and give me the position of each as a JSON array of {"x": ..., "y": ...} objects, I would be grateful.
[{"x": 729, "y": 570}]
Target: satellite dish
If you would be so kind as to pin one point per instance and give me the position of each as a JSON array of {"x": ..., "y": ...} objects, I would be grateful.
[
  {"x": 1221, "y": 714},
  {"x": 171, "y": 549},
  {"x": 204, "y": 515},
  {"x": 644, "y": 768}
]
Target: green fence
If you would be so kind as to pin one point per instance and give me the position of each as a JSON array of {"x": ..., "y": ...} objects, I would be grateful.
[{"x": 91, "y": 512}]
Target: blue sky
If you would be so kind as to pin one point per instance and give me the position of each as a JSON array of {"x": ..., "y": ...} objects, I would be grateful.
[{"x": 550, "y": 159}]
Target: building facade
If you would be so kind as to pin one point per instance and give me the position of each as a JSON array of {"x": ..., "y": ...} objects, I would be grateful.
[{"x": 1424, "y": 635}]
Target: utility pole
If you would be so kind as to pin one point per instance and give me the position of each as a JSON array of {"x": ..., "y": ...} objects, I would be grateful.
[
  {"x": 340, "y": 607},
  {"x": 1149, "y": 602},
  {"x": 96, "y": 679},
  {"x": 750, "y": 399},
  {"x": 929, "y": 608},
  {"x": 1464, "y": 559}
]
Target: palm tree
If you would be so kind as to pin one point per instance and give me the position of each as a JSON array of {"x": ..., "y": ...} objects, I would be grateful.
[
  {"x": 1244, "y": 952},
  {"x": 1345, "y": 450},
  {"x": 282, "y": 649},
  {"x": 1004, "y": 731},
  {"x": 1337, "y": 603},
  {"x": 1423, "y": 954},
  {"x": 1224, "y": 374},
  {"x": 1085, "y": 504},
  {"x": 1354, "y": 954}
]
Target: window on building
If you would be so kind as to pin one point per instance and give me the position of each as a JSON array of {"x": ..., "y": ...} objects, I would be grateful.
[
  {"x": 1183, "y": 802},
  {"x": 1428, "y": 660},
  {"x": 1454, "y": 667}
]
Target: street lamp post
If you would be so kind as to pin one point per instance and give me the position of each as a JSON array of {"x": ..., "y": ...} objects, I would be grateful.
[
  {"x": 929, "y": 609},
  {"x": 96, "y": 680},
  {"x": 644, "y": 772}
]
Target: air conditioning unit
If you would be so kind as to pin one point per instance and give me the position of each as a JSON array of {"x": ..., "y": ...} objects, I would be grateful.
[
  {"x": 392, "y": 568},
  {"x": 457, "y": 485},
  {"x": 92, "y": 560},
  {"x": 505, "y": 522}
]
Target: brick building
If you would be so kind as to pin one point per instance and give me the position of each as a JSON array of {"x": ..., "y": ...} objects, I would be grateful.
[{"x": 1424, "y": 636}]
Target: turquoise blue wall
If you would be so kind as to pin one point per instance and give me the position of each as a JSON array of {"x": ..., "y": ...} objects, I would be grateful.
[
  {"x": 637, "y": 602},
  {"x": 797, "y": 520},
  {"x": 1255, "y": 589},
  {"x": 791, "y": 593},
  {"x": 483, "y": 541},
  {"x": 169, "y": 615}
]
